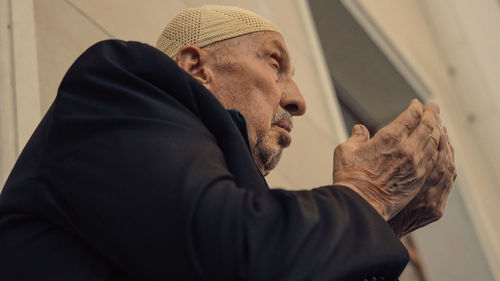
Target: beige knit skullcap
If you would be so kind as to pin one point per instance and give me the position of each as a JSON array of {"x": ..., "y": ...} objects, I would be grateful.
[{"x": 205, "y": 25}]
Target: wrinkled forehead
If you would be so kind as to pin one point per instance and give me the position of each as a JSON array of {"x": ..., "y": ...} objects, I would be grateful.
[
  {"x": 275, "y": 40},
  {"x": 261, "y": 41},
  {"x": 264, "y": 44}
]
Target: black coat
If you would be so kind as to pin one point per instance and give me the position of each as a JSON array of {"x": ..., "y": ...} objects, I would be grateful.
[{"x": 137, "y": 172}]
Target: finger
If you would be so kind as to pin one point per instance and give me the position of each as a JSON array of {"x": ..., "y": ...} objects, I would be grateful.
[
  {"x": 408, "y": 120},
  {"x": 444, "y": 151},
  {"x": 359, "y": 133},
  {"x": 429, "y": 128},
  {"x": 440, "y": 166},
  {"x": 451, "y": 154},
  {"x": 452, "y": 149},
  {"x": 437, "y": 131},
  {"x": 443, "y": 197},
  {"x": 424, "y": 140},
  {"x": 431, "y": 156},
  {"x": 432, "y": 145}
]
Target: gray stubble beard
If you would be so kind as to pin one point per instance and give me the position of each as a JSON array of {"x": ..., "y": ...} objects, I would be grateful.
[{"x": 266, "y": 157}]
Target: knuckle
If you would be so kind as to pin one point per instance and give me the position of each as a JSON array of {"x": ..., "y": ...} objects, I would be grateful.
[
  {"x": 339, "y": 150},
  {"x": 441, "y": 171},
  {"x": 434, "y": 158},
  {"x": 389, "y": 137},
  {"x": 436, "y": 135},
  {"x": 451, "y": 169},
  {"x": 410, "y": 155},
  {"x": 411, "y": 161},
  {"x": 432, "y": 210},
  {"x": 438, "y": 213},
  {"x": 404, "y": 150},
  {"x": 344, "y": 149},
  {"x": 428, "y": 124},
  {"x": 417, "y": 113},
  {"x": 431, "y": 151},
  {"x": 420, "y": 172},
  {"x": 407, "y": 126}
]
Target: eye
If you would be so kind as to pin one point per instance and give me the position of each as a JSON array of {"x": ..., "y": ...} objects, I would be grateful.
[
  {"x": 276, "y": 67},
  {"x": 275, "y": 64}
]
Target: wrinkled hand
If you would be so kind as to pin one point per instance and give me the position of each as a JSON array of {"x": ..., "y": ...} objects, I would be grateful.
[
  {"x": 428, "y": 205},
  {"x": 389, "y": 169}
]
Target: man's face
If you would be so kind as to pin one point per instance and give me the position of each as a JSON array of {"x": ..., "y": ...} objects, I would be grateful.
[{"x": 255, "y": 78}]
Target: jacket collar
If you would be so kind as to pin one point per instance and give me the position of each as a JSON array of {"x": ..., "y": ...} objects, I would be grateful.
[{"x": 239, "y": 119}]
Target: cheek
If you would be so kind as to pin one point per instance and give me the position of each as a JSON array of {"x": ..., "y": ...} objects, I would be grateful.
[
  {"x": 264, "y": 106},
  {"x": 258, "y": 121},
  {"x": 259, "y": 118}
]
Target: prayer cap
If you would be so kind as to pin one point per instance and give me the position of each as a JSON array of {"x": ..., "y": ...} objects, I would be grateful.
[{"x": 205, "y": 25}]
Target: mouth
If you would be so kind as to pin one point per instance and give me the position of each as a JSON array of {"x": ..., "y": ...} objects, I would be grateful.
[
  {"x": 285, "y": 124},
  {"x": 286, "y": 127}
]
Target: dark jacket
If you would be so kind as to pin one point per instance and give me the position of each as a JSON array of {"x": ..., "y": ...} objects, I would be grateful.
[{"x": 137, "y": 172}]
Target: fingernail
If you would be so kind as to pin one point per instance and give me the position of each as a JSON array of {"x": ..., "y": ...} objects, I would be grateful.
[{"x": 445, "y": 131}]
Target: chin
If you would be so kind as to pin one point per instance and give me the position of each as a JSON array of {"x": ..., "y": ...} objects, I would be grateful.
[
  {"x": 267, "y": 152},
  {"x": 268, "y": 160}
]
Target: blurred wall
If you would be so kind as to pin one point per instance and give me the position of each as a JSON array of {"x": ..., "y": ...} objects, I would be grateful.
[
  {"x": 448, "y": 51},
  {"x": 43, "y": 38},
  {"x": 19, "y": 94}
]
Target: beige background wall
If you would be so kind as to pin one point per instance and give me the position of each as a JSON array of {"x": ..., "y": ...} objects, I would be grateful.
[
  {"x": 449, "y": 50},
  {"x": 456, "y": 68},
  {"x": 19, "y": 94}
]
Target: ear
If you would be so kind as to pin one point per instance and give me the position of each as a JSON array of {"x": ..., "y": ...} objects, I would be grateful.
[{"x": 195, "y": 62}]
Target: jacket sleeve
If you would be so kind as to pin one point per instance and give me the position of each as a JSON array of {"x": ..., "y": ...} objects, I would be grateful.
[{"x": 134, "y": 173}]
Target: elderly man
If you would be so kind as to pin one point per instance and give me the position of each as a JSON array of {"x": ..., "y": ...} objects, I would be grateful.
[{"x": 148, "y": 168}]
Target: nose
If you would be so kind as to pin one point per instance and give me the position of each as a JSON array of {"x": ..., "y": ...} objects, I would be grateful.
[{"x": 292, "y": 100}]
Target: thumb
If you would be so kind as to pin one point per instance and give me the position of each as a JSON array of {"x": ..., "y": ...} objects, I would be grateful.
[{"x": 359, "y": 133}]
